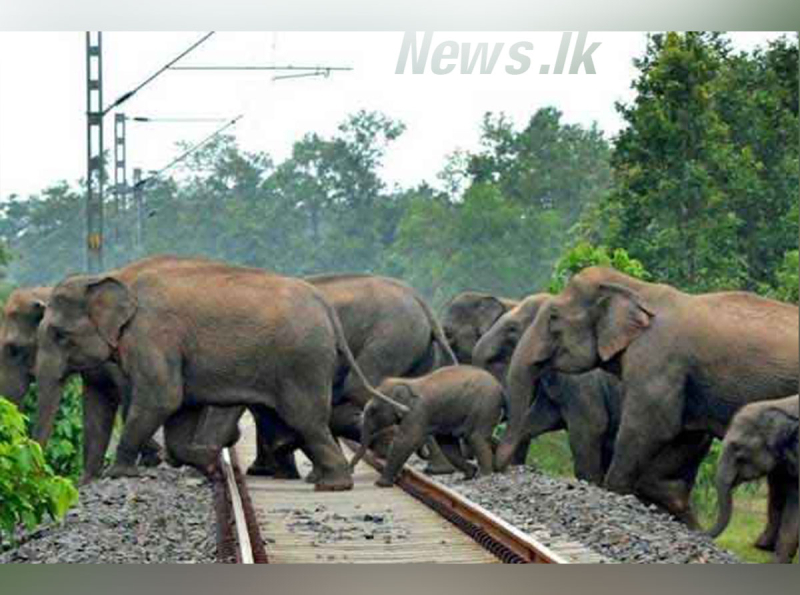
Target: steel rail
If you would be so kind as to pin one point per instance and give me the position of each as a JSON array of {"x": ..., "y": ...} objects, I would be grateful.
[
  {"x": 494, "y": 534},
  {"x": 245, "y": 548}
]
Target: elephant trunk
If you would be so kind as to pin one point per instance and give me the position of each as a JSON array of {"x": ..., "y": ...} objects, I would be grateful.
[
  {"x": 368, "y": 437},
  {"x": 725, "y": 482},
  {"x": 50, "y": 392},
  {"x": 50, "y": 378},
  {"x": 521, "y": 381}
]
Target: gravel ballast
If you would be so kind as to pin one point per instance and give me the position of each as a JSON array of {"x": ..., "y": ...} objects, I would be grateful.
[
  {"x": 164, "y": 516},
  {"x": 620, "y": 528}
]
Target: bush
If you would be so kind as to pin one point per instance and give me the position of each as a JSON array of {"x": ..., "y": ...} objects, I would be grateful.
[
  {"x": 64, "y": 452},
  {"x": 788, "y": 287},
  {"x": 29, "y": 489},
  {"x": 586, "y": 255}
]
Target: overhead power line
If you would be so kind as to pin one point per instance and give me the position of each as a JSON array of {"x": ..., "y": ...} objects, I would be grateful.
[
  {"x": 268, "y": 67},
  {"x": 188, "y": 152},
  {"x": 126, "y": 96}
]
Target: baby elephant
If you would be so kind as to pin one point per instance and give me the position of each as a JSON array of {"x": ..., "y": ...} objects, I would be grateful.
[
  {"x": 452, "y": 404},
  {"x": 762, "y": 441}
]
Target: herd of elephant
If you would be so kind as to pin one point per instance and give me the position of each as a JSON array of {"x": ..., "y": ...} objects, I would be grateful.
[{"x": 641, "y": 375}]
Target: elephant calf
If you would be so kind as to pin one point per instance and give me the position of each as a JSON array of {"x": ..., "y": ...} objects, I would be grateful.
[
  {"x": 762, "y": 441},
  {"x": 453, "y": 403}
]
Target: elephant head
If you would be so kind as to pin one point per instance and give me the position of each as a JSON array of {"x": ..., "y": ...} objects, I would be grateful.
[
  {"x": 22, "y": 314},
  {"x": 588, "y": 325},
  {"x": 761, "y": 437},
  {"x": 81, "y": 330},
  {"x": 380, "y": 417},
  {"x": 494, "y": 349},
  {"x": 467, "y": 317}
]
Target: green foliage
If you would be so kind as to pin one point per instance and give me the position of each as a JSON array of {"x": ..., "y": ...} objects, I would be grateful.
[
  {"x": 706, "y": 172},
  {"x": 29, "y": 489},
  {"x": 64, "y": 451},
  {"x": 585, "y": 255},
  {"x": 787, "y": 281}
]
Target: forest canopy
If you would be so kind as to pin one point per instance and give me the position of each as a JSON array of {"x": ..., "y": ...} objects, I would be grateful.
[{"x": 700, "y": 187}]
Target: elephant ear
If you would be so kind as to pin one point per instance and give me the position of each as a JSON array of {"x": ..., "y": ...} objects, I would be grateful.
[
  {"x": 489, "y": 309},
  {"x": 623, "y": 318},
  {"x": 405, "y": 395},
  {"x": 110, "y": 305},
  {"x": 781, "y": 430}
]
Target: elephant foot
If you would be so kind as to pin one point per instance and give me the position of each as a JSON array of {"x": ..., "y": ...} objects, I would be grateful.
[
  {"x": 150, "y": 459},
  {"x": 765, "y": 543},
  {"x": 314, "y": 477},
  {"x": 118, "y": 470},
  {"x": 259, "y": 470},
  {"x": 334, "y": 486},
  {"x": 384, "y": 483},
  {"x": 287, "y": 474},
  {"x": 471, "y": 474},
  {"x": 87, "y": 478},
  {"x": 439, "y": 469}
]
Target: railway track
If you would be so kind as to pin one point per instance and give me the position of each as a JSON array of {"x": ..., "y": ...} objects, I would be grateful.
[{"x": 264, "y": 520}]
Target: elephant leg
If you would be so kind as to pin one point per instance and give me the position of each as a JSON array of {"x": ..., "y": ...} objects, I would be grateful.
[
  {"x": 786, "y": 546},
  {"x": 346, "y": 421},
  {"x": 405, "y": 443},
  {"x": 482, "y": 448},
  {"x": 151, "y": 454},
  {"x": 543, "y": 416},
  {"x": 775, "y": 505},
  {"x": 587, "y": 453},
  {"x": 673, "y": 495},
  {"x": 651, "y": 419},
  {"x": 452, "y": 450},
  {"x": 157, "y": 393},
  {"x": 100, "y": 406},
  {"x": 438, "y": 464},
  {"x": 521, "y": 453},
  {"x": 275, "y": 446},
  {"x": 310, "y": 418}
]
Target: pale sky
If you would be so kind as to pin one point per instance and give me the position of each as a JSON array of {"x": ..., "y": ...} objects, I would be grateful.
[{"x": 43, "y": 101}]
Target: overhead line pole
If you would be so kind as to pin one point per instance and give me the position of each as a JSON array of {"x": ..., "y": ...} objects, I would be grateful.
[{"x": 95, "y": 168}]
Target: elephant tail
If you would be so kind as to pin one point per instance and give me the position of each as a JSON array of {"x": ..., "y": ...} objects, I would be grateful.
[
  {"x": 344, "y": 349},
  {"x": 437, "y": 331}
]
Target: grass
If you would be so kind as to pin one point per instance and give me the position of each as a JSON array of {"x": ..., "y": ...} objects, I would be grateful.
[{"x": 550, "y": 453}]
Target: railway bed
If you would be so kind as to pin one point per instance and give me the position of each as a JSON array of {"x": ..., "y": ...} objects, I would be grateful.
[{"x": 417, "y": 521}]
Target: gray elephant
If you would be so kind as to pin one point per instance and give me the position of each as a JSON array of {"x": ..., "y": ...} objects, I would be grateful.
[
  {"x": 203, "y": 334},
  {"x": 22, "y": 313},
  {"x": 687, "y": 362},
  {"x": 391, "y": 332},
  {"x": 466, "y": 318},
  {"x": 588, "y": 407},
  {"x": 454, "y": 404},
  {"x": 762, "y": 442}
]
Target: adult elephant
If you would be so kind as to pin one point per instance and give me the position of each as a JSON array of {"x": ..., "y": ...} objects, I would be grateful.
[
  {"x": 762, "y": 442},
  {"x": 687, "y": 362},
  {"x": 588, "y": 406},
  {"x": 22, "y": 313},
  {"x": 391, "y": 332},
  {"x": 204, "y": 334},
  {"x": 467, "y": 317}
]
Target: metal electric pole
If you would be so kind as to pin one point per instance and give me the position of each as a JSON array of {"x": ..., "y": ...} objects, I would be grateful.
[
  {"x": 120, "y": 181},
  {"x": 94, "y": 144},
  {"x": 137, "y": 200}
]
